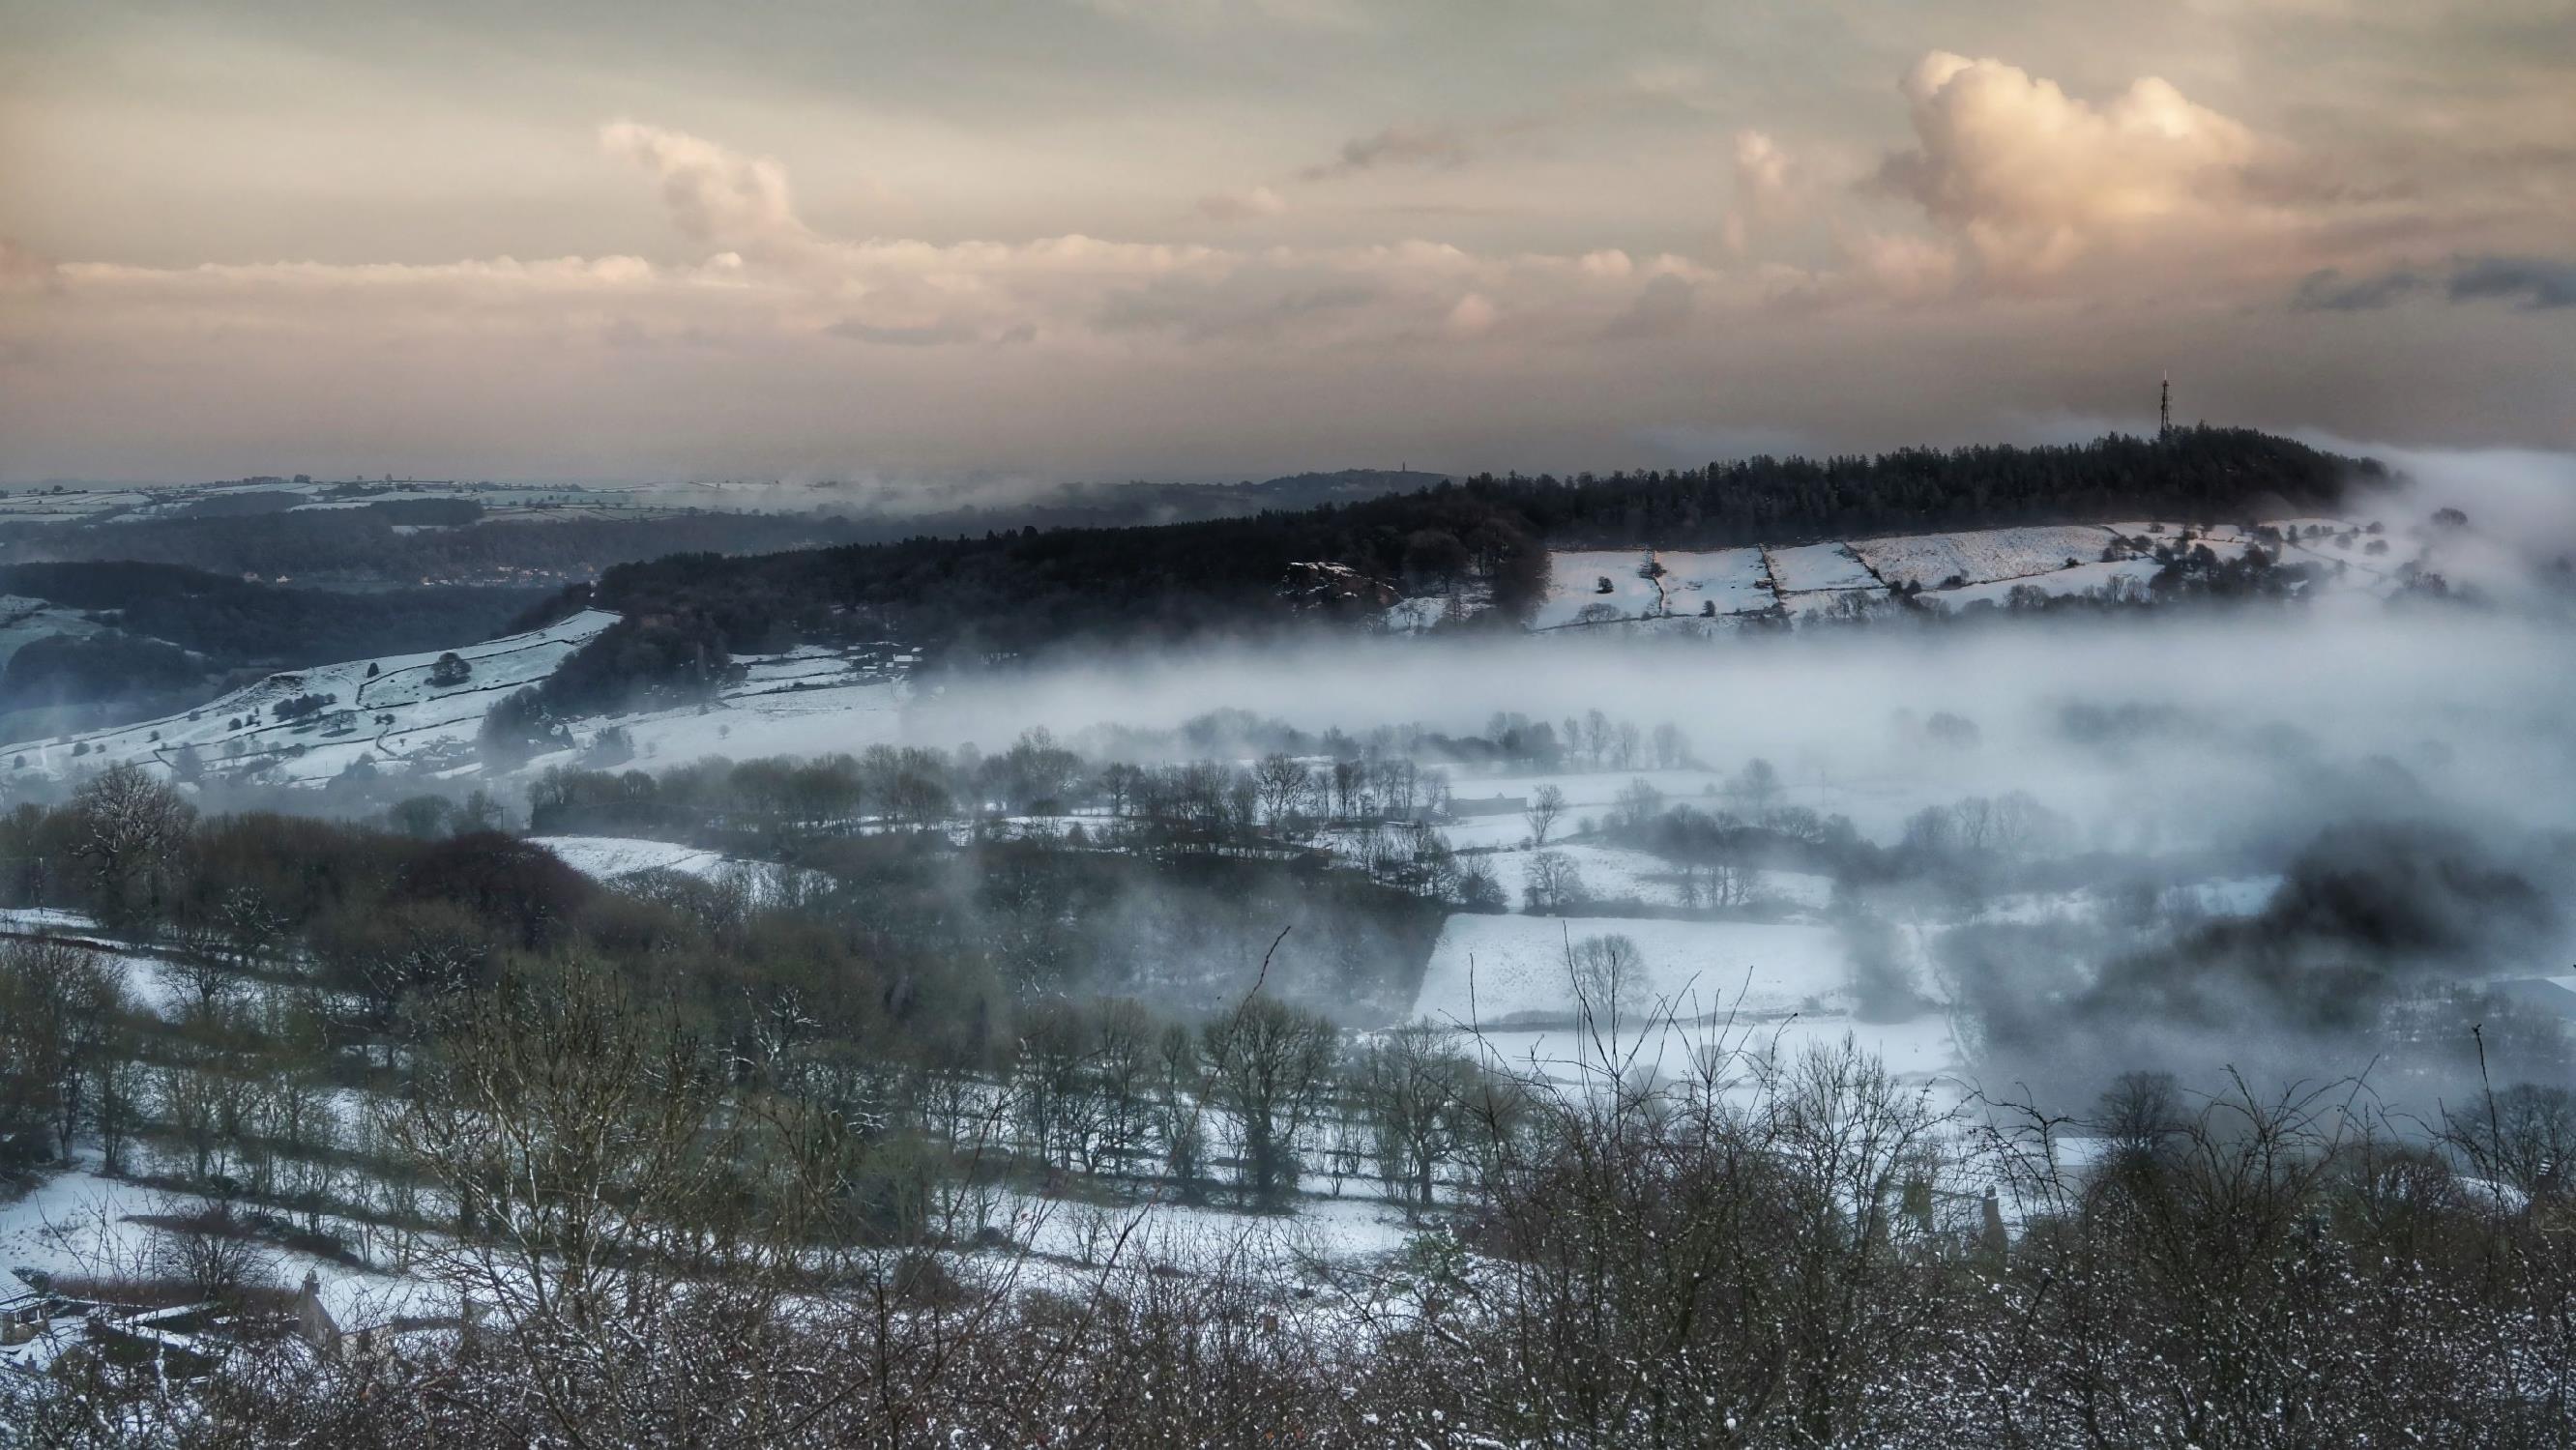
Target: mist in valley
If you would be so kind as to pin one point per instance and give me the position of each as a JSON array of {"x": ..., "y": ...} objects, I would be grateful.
[{"x": 2303, "y": 843}]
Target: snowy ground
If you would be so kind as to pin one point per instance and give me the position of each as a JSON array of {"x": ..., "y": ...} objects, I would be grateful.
[
  {"x": 605, "y": 858},
  {"x": 1808, "y": 568},
  {"x": 396, "y": 714},
  {"x": 1735, "y": 581},
  {"x": 1918, "y": 1050},
  {"x": 2061, "y": 559},
  {"x": 78, "y": 1224},
  {"x": 1574, "y": 584},
  {"x": 771, "y": 719},
  {"x": 810, "y": 701},
  {"x": 132, "y": 505},
  {"x": 2119, "y": 574},
  {"x": 1356, "y": 1223},
  {"x": 1981, "y": 556},
  {"x": 1730, "y": 581},
  {"x": 612, "y": 858},
  {"x": 1494, "y": 969}
]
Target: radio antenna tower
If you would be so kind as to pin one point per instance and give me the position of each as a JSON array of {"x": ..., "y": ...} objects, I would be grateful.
[{"x": 2164, "y": 409}]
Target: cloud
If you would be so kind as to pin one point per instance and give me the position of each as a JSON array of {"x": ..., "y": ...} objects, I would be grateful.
[
  {"x": 2533, "y": 283},
  {"x": 2032, "y": 178},
  {"x": 1255, "y": 301},
  {"x": 1330, "y": 15},
  {"x": 1666, "y": 78},
  {"x": 715, "y": 194},
  {"x": 1761, "y": 187},
  {"x": 925, "y": 334},
  {"x": 1436, "y": 148},
  {"x": 1473, "y": 317},
  {"x": 2328, "y": 290},
  {"x": 1905, "y": 268},
  {"x": 1663, "y": 309},
  {"x": 20, "y": 267},
  {"x": 1235, "y": 206}
]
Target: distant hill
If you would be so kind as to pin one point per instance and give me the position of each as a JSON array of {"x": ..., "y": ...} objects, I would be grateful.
[
  {"x": 1005, "y": 593},
  {"x": 337, "y": 539},
  {"x": 113, "y": 640},
  {"x": 1350, "y": 485}
]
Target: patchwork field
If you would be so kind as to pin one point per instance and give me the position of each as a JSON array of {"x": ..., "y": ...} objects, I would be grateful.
[
  {"x": 1808, "y": 568},
  {"x": 1981, "y": 556}
]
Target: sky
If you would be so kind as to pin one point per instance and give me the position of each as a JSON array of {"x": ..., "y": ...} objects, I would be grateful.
[{"x": 1055, "y": 239}]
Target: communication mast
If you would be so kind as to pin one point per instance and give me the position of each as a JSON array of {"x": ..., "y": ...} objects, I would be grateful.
[{"x": 2164, "y": 409}]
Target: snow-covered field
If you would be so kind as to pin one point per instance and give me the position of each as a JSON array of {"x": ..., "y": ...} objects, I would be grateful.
[
  {"x": 2057, "y": 559},
  {"x": 1735, "y": 987},
  {"x": 1496, "y": 969},
  {"x": 2121, "y": 574},
  {"x": 1574, "y": 584},
  {"x": 1610, "y": 873},
  {"x": 768, "y": 720},
  {"x": 612, "y": 858},
  {"x": 1356, "y": 1223},
  {"x": 1808, "y": 568},
  {"x": 1728, "y": 581},
  {"x": 390, "y": 716},
  {"x": 1734, "y": 580},
  {"x": 1982, "y": 555},
  {"x": 79, "y": 1224},
  {"x": 529, "y": 501},
  {"x": 389, "y": 713},
  {"x": 605, "y": 858},
  {"x": 1918, "y": 1050}
]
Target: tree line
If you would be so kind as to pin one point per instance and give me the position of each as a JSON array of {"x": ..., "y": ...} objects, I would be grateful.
[{"x": 1014, "y": 593}]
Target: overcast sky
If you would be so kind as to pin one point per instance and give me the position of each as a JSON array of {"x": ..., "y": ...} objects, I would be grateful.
[{"x": 1233, "y": 238}]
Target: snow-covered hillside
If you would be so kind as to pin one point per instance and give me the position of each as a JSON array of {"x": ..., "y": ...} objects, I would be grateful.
[
  {"x": 2366, "y": 554},
  {"x": 390, "y": 710},
  {"x": 1982, "y": 556},
  {"x": 24, "y": 621},
  {"x": 398, "y": 715},
  {"x": 530, "y": 502}
]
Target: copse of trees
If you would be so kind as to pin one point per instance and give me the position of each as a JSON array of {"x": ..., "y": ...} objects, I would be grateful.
[
  {"x": 466, "y": 974},
  {"x": 1759, "y": 1250},
  {"x": 2197, "y": 473}
]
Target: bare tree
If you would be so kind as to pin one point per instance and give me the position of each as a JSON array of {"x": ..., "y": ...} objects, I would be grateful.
[
  {"x": 62, "y": 1031},
  {"x": 126, "y": 829},
  {"x": 1417, "y": 1092},
  {"x": 1546, "y": 804},
  {"x": 1283, "y": 781},
  {"x": 1609, "y": 982},
  {"x": 1268, "y": 1066},
  {"x": 581, "y": 1138},
  {"x": 1552, "y": 882},
  {"x": 1757, "y": 785},
  {"x": 211, "y": 1250}
]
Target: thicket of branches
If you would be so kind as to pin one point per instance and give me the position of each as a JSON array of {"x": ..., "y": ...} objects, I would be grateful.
[{"x": 1758, "y": 1250}]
